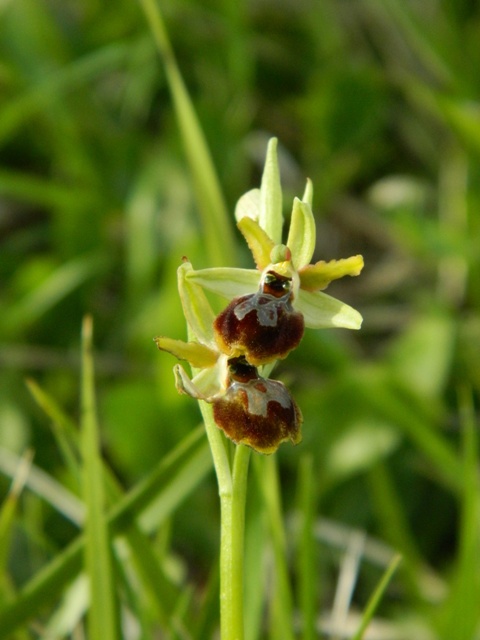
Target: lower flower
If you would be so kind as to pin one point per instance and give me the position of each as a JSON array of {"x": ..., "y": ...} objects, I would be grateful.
[
  {"x": 256, "y": 411},
  {"x": 251, "y": 410}
]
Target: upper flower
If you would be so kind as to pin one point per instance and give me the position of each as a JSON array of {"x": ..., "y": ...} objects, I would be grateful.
[
  {"x": 284, "y": 291},
  {"x": 261, "y": 326}
]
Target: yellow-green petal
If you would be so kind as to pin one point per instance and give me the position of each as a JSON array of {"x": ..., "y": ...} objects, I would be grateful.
[
  {"x": 301, "y": 236},
  {"x": 248, "y": 205},
  {"x": 259, "y": 243},
  {"x": 321, "y": 311},
  {"x": 318, "y": 276},
  {"x": 198, "y": 355},
  {"x": 225, "y": 281}
]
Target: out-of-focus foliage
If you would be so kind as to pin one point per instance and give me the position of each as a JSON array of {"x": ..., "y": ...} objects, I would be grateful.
[{"x": 378, "y": 101}]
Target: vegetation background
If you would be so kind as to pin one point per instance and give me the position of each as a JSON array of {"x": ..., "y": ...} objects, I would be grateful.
[{"x": 378, "y": 102}]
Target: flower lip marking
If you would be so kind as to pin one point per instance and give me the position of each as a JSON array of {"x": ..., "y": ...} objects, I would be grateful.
[{"x": 275, "y": 290}]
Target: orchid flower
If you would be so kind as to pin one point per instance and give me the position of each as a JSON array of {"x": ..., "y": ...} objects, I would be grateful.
[
  {"x": 264, "y": 321},
  {"x": 285, "y": 290}
]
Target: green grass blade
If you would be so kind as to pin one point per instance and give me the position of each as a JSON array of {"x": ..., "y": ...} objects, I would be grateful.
[
  {"x": 65, "y": 279},
  {"x": 399, "y": 14},
  {"x": 45, "y": 486},
  {"x": 376, "y": 596},
  {"x": 15, "y": 112},
  {"x": 395, "y": 404},
  {"x": 256, "y": 542},
  {"x": 43, "y": 588},
  {"x": 41, "y": 191},
  {"x": 102, "y": 619},
  {"x": 162, "y": 593},
  {"x": 395, "y": 525},
  {"x": 461, "y": 615},
  {"x": 281, "y": 612},
  {"x": 307, "y": 563},
  {"x": 62, "y": 427},
  {"x": 175, "y": 477},
  {"x": 217, "y": 227},
  {"x": 7, "y": 515}
]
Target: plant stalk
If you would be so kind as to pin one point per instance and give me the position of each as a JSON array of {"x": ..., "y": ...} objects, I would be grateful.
[
  {"x": 232, "y": 488},
  {"x": 232, "y": 549}
]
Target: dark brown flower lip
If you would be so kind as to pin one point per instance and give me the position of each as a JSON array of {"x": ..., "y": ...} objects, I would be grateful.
[
  {"x": 259, "y": 412},
  {"x": 260, "y": 327}
]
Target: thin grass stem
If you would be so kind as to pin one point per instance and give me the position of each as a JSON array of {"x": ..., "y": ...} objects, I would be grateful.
[{"x": 232, "y": 549}]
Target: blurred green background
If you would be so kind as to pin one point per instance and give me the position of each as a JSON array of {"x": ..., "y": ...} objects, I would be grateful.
[{"x": 378, "y": 102}]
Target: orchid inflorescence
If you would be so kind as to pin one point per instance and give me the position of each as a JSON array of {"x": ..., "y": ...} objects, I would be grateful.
[{"x": 265, "y": 319}]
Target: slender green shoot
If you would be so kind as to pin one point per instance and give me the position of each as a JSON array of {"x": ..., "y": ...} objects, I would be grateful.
[
  {"x": 216, "y": 225},
  {"x": 307, "y": 565},
  {"x": 376, "y": 597},
  {"x": 102, "y": 619},
  {"x": 281, "y": 604}
]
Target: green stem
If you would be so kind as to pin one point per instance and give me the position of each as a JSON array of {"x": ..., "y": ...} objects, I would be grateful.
[
  {"x": 232, "y": 549},
  {"x": 232, "y": 487}
]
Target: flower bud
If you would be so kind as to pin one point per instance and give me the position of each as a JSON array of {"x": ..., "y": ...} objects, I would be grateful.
[
  {"x": 262, "y": 326},
  {"x": 255, "y": 411}
]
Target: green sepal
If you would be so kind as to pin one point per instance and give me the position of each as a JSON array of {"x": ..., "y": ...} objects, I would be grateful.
[
  {"x": 227, "y": 282},
  {"x": 259, "y": 243},
  {"x": 206, "y": 384},
  {"x": 198, "y": 355},
  {"x": 196, "y": 308},
  {"x": 301, "y": 236},
  {"x": 271, "y": 215},
  {"x": 321, "y": 311},
  {"x": 318, "y": 276}
]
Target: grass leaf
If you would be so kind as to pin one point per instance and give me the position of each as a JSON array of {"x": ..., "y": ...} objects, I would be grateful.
[
  {"x": 375, "y": 598},
  {"x": 307, "y": 559},
  {"x": 217, "y": 226},
  {"x": 459, "y": 616},
  {"x": 281, "y": 601},
  {"x": 102, "y": 619},
  {"x": 175, "y": 477}
]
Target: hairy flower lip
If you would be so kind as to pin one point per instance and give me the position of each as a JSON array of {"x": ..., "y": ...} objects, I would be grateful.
[
  {"x": 260, "y": 327},
  {"x": 260, "y": 414}
]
